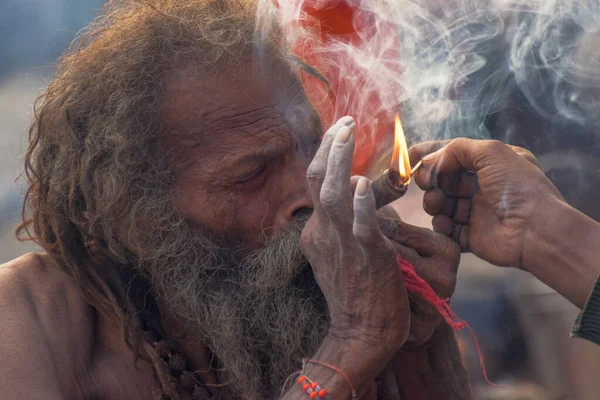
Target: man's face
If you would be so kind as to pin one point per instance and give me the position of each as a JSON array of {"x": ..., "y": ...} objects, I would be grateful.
[{"x": 243, "y": 143}]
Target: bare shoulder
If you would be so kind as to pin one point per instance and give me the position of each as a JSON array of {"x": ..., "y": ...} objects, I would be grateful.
[
  {"x": 34, "y": 282},
  {"x": 47, "y": 330}
]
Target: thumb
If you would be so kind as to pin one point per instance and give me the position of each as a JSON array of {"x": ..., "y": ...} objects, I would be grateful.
[
  {"x": 444, "y": 165},
  {"x": 468, "y": 154}
]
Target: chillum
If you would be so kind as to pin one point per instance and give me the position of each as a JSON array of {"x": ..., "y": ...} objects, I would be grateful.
[{"x": 388, "y": 187}]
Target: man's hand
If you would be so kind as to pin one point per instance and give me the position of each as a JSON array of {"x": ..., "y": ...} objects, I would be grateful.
[
  {"x": 428, "y": 366},
  {"x": 435, "y": 258},
  {"x": 354, "y": 264},
  {"x": 485, "y": 195},
  {"x": 494, "y": 201}
]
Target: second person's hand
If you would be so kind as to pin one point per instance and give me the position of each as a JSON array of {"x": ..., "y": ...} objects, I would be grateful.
[{"x": 485, "y": 195}]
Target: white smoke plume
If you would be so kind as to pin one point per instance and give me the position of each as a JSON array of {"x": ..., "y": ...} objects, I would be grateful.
[{"x": 451, "y": 65}]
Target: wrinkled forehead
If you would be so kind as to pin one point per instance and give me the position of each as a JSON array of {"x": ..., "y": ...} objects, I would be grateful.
[{"x": 212, "y": 108}]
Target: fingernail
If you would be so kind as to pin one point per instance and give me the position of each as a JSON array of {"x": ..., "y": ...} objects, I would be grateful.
[
  {"x": 361, "y": 187},
  {"x": 343, "y": 135},
  {"x": 347, "y": 121}
]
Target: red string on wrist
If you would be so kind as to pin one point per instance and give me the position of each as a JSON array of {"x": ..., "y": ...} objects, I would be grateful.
[
  {"x": 312, "y": 389},
  {"x": 336, "y": 369}
]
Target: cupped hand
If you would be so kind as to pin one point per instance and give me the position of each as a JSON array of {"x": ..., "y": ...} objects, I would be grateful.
[
  {"x": 435, "y": 258},
  {"x": 483, "y": 194},
  {"x": 354, "y": 264}
]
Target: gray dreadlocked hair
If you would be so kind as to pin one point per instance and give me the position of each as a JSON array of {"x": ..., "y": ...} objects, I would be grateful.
[{"x": 99, "y": 184}]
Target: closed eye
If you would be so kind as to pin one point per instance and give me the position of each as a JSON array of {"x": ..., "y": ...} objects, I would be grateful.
[{"x": 252, "y": 175}]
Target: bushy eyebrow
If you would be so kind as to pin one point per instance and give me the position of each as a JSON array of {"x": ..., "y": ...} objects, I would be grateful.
[{"x": 272, "y": 149}]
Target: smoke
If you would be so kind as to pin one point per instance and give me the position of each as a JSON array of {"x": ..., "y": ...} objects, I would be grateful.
[
  {"x": 449, "y": 65},
  {"x": 555, "y": 59}
]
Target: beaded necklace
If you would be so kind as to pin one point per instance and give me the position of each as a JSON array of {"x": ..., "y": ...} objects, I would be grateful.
[{"x": 175, "y": 365}]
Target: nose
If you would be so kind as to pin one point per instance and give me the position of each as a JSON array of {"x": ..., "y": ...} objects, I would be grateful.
[{"x": 297, "y": 200}]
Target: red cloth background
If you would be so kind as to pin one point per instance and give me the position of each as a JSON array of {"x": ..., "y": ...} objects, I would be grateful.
[{"x": 352, "y": 87}]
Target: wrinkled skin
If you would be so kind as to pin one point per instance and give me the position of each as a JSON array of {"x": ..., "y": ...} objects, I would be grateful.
[
  {"x": 486, "y": 212},
  {"x": 494, "y": 201},
  {"x": 436, "y": 260},
  {"x": 243, "y": 146},
  {"x": 348, "y": 252},
  {"x": 271, "y": 186}
]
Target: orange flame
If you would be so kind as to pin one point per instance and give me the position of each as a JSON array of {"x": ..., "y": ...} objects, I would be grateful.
[{"x": 401, "y": 152}]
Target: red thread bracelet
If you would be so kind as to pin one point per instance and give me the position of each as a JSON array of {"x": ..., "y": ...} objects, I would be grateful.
[
  {"x": 336, "y": 369},
  {"x": 312, "y": 389}
]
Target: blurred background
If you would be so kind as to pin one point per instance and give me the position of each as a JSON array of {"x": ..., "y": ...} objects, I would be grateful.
[
  {"x": 33, "y": 33},
  {"x": 522, "y": 326}
]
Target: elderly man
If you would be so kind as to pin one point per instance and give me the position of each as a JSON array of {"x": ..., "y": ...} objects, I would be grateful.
[{"x": 202, "y": 236}]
